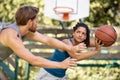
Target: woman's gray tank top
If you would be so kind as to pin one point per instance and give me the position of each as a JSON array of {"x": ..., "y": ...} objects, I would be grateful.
[{"x": 5, "y": 52}]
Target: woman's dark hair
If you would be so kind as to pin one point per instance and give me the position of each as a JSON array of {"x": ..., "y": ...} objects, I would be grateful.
[
  {"x": 87, "y": 40},
  {"x": 26, "y": 13}
]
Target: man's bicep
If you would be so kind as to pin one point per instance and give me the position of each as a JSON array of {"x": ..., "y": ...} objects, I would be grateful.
[
  {"x": 15, "y": 43},
  {"x": 19, "y": 49}
]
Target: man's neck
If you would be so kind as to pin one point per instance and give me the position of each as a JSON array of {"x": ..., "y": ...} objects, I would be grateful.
[{"x": 23, "y": 30}]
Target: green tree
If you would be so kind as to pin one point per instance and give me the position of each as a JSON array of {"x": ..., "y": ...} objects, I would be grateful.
[
  {"x": 101, "y": 12},
  {"x": 104, "y": 12}
]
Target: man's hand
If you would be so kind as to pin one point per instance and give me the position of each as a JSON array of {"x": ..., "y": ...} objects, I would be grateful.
[
  {"x": 69, "y": 62},
  {"x": 77, "y": 48}
]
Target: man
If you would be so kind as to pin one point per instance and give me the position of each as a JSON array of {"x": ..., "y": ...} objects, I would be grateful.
[{"x": 25, "y": 27}]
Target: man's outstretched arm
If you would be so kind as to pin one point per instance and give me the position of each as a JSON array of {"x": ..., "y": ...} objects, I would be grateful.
[{"x": 52, "y": 42}]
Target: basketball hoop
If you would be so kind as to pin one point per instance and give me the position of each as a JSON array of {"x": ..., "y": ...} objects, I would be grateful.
[{"x": 63, "y": 10}]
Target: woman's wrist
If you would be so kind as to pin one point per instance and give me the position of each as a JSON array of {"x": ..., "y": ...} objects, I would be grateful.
[{"x": 97, "y": 50}]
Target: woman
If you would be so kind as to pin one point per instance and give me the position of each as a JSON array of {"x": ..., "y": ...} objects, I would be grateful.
[{"x": 81, "y": 35}]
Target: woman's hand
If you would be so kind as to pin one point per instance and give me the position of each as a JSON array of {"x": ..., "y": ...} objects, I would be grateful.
[{"x": 98, "y": 44}]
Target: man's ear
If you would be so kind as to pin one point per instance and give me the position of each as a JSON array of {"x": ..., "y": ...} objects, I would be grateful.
[{"x": 29, "y": 22}]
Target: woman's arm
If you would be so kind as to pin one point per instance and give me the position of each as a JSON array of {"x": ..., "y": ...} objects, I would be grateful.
[
  {"x": 84, "y": 55},
  {"x": 92, "y": 43}
]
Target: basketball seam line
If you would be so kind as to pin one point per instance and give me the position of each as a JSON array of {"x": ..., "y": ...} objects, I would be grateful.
[
  {"x": 114, "y": 30},
  {"x": 107, "y": 34},
  {"x": 101, "y": 39}
]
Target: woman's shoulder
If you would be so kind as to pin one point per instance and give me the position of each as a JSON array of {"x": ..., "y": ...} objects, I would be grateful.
[{"x": 67, "y": 41}]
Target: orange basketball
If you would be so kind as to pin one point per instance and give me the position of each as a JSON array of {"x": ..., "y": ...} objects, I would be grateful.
[{"x": 106, "y": 34}]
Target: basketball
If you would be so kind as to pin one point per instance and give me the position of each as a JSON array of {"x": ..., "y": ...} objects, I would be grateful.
[{"x": 106, "y": 34}]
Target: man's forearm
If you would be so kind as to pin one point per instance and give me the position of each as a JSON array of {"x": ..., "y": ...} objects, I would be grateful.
[
  {"x": 59, "y": 44},
  {"x": 53, "y": 42}
]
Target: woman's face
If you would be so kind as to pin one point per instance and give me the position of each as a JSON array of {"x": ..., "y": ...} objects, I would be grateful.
[{"x": 80, "y": 34}]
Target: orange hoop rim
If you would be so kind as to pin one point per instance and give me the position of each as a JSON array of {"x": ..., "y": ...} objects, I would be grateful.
[{"x": 62, "y": 12}]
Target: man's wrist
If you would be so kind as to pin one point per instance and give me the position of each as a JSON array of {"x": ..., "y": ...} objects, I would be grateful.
[
  {"x": 70, "y": 49},
  {"x": 60, "y": 65}
]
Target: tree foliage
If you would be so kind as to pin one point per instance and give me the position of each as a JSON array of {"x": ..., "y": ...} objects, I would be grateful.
[
  {"x": 101, "y": 12},
  {"x": 104, "y": 12}
]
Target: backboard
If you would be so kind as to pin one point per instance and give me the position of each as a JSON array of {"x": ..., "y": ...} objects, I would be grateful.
[{"x": 66, "y": 10}]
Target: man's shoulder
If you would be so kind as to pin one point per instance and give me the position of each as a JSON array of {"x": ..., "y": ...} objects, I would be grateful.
[{"x": 9, "y": 32}]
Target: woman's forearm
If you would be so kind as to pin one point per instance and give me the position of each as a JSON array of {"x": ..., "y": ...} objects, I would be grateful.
[{"x": 86, "y": 55}]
